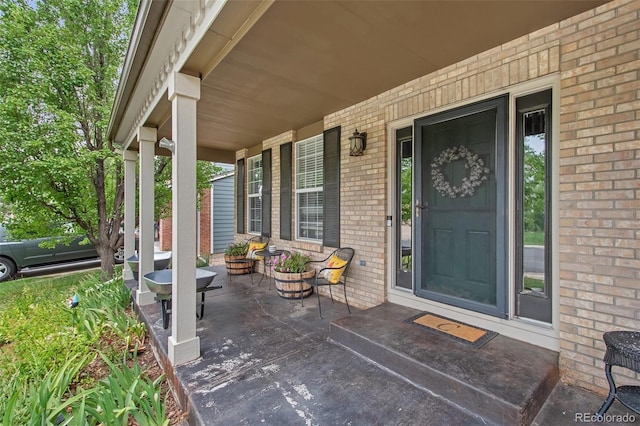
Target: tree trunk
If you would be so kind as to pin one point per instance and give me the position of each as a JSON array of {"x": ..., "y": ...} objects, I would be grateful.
[{"x": 106, "y": 260}]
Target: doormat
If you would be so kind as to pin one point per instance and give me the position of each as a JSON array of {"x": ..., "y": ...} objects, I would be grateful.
[{"x": 456, "y": 330}]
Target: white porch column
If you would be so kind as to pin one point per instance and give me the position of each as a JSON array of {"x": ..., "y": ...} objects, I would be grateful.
[
  {"x": 147, "y": 138},
  {"x": 184, "y": 92},
  {"x": 130, "y": 158}
]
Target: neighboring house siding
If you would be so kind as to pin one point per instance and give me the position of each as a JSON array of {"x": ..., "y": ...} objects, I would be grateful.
[
  {"x": 595, "y": 58},
  {"x": 222, "y": 207}
]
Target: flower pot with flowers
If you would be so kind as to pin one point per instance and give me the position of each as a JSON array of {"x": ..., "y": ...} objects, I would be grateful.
[{"x": 289, "y": 270}]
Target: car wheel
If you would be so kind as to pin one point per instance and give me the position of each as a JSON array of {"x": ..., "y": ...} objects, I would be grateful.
[
  {"x": 118, "y": 256},
  {"x": 7, "y": 269}
]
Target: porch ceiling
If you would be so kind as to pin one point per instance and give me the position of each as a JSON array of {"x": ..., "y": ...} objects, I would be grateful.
[{"x": 302, "y": 60}]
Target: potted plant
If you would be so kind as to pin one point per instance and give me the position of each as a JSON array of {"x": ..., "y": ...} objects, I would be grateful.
[
  {"x": 289, "y": 270},
  {"x": 235, "y": 259}
]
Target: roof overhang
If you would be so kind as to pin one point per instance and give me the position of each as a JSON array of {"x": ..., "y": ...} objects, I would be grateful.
[{"x": 267, "y": 67}]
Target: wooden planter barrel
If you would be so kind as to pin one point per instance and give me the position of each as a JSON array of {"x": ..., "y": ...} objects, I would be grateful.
[
  {"x": 238, "y": 265},
  {"x": 288, "y": 284}
]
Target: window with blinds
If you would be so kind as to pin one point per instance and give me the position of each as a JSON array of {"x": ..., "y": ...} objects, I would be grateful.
[
  {"x": 309, "y": 188},
  {"x": 254, "y": 194}
]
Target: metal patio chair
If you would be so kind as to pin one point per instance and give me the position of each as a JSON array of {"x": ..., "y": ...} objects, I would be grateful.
[
  {"x": 339, "y": 270},
  {"x": 261, "y": 242}
]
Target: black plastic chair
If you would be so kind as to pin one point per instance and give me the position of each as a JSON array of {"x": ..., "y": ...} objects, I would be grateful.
[{"x": 319, "y": 280}]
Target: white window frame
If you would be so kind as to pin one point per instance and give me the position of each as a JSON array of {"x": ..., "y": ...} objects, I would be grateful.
[
  {"x": 254, "y": 194},
  {"x": 314, "y": 158}
]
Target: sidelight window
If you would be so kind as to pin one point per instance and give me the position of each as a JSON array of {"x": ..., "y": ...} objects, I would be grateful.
[{"x": 533, "y": 221}]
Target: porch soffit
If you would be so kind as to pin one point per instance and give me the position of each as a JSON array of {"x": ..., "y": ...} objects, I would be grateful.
[{"x": 300, "y": 61}]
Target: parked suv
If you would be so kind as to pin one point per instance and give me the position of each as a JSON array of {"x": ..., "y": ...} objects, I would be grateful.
[{"x": 17, "y": 255}]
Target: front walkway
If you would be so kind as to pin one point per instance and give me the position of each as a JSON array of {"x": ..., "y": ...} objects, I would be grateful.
[{"x": 268, "y": 360}]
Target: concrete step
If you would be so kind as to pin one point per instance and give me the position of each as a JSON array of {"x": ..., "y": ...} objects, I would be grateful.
[{"x": 505, "y": 381}]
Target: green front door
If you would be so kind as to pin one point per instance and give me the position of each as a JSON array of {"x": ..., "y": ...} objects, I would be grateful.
[{"x": 460, "y": 207}]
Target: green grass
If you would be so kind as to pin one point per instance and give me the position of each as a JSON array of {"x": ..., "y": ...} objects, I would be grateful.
[
  {"x": 530, "y": 283},
  {"x": 9, "y": 290},
  {"x": 534, "y": 238},
  {"x": 45, "y": 345}
]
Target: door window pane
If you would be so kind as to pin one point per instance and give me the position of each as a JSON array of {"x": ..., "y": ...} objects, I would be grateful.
[{"x": 534, "y": 194}]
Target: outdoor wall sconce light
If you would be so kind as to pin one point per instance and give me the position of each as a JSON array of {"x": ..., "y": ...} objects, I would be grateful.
[
  {"x": 357, "y": 143},
  {"x": 168, "y": 144}
]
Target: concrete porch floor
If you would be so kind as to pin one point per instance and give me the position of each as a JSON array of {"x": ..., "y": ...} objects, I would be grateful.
[{"x": 269, "y": 360}]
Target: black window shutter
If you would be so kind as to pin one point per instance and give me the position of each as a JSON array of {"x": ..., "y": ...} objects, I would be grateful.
[
  {"x": 266, "y": 193},
  {"x": 286, "y": 182},
  {"x": 331, "y": 207},
  {"x": 240, "y": 196}
]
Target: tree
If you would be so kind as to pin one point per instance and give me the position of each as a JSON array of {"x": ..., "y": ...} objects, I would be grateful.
[
  {"x": 534, "y": 189},
  {"x": 162, "y": 188},
  {"x": 406, "y": 177},
  {"x": 59, "y": 66}
]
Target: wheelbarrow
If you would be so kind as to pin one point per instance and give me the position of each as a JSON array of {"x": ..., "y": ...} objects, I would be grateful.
[
  {"x": 161, "y": 260},
  {"x": 161, "y": 283}
]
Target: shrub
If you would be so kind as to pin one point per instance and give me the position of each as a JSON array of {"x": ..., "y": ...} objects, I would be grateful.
[
  {"x": 45, "y": 347},
  {"x": 237, "y": 249}
]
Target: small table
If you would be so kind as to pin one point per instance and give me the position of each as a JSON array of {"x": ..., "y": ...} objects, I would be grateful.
[
  {"x": 266, "y": 260},
  {"x": 623, "y": 349}
]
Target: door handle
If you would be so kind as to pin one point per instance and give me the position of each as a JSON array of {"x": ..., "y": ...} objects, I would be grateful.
[{"x": 420, "y": 207}]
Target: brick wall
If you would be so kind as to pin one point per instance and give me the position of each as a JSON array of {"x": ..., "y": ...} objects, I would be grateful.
[
  {"x": 205, "y": 224},
  {"x": 599, "y": 184},
  {"x": 363, "y": 201},
  {"x": 165, "y": 234},
  {"x": 594, "y": 56},
  {"x": 205, "y": 227}
]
